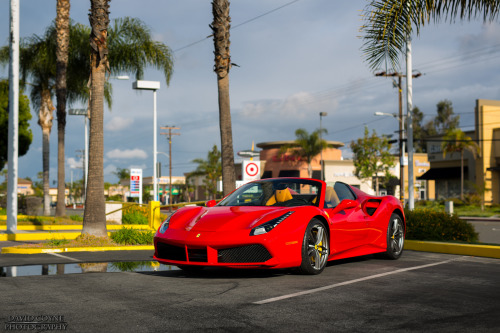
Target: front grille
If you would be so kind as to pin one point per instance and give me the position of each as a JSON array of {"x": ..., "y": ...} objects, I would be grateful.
[
  {"x": 170, "y": 252},
  {"x": 198, "y": 255},
  {"x": 244, "y": 254}
]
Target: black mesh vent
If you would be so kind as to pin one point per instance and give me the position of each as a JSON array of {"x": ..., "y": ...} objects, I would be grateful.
[
  {"x": 170, "y": 252},
  {"x": 244, "y": 254},
  {"x": 198, "y": 255}
]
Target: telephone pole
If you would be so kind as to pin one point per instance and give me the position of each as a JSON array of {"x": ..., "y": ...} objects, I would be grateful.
[
  {"x": 169, "y": 137},
  {"x": 401, "y": 129}
]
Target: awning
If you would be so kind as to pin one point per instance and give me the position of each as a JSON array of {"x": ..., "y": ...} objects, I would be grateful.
[{"x": 442, "y": 173}]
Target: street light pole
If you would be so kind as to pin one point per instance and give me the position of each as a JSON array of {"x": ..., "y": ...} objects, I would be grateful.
[
  {"x": 321, "y": 115},
  {"x": 401, "y": 149},
  {"x": 151, "y": 85}
]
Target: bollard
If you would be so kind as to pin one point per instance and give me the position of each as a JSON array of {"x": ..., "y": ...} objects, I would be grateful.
[
  {"x": 154, "y": 220},
  {"x": 448, "y": 207}
]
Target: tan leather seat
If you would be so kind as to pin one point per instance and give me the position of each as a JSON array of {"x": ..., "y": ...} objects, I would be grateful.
[
  {"x": 279, "y": 196},
  {"x": 331, "y": 197}
]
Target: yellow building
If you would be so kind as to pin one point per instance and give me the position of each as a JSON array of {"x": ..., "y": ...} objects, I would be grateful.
[
  {"x": 482, "y": 168},
  {"x": 487, "y": 119}
]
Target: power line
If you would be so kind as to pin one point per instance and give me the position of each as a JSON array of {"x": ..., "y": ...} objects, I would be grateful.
[{"x": 238, "y": 25}]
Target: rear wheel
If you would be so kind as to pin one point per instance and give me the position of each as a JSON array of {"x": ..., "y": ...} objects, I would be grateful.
[
  {"x": 395, "y": 237},
  {"x": 315, "y": 248}
]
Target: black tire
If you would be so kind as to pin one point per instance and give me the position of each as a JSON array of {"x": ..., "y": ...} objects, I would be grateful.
[
  {"x": 395, "y": 237},
  {"x": 315, "y": 248}
]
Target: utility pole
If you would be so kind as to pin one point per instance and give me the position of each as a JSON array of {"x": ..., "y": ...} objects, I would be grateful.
[
  {"x": 401, "y": 129},
  {"x": 82, "y": 154},
  {"x": 169, "y": 137},
  {"x": 13, "y": 127}
]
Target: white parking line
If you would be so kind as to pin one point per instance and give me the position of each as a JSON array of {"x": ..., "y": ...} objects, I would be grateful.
[
  {"x": 306, "y": 292},
  {"x": 65, "y": 257}
]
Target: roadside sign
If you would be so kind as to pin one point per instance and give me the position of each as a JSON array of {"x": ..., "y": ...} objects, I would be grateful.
[
  {"x": 251, "y": 170},
  {"x": 136, "y": 184}
]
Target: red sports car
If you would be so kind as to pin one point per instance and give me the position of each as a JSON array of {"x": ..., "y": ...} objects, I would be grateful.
[{"x": 280, "y": 223}]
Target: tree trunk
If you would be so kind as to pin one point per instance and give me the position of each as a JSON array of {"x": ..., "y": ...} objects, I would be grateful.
[
  {"x": 94, "y": 219},
  {"x": 220, "y": 27},
  {"x": 45, "y": 117},
  {"x": 62, "y": 27},
  {"x": 46, "y": 167},
  {"x": 227, "y": 154}
]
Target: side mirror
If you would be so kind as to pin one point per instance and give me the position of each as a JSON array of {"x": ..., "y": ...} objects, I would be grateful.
[
  {"x": 345, "y": 204},
  {"x": 210, "y": 203}
]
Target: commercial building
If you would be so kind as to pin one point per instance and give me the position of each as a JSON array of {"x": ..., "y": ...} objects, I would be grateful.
[{"x": 481, "y": 169}]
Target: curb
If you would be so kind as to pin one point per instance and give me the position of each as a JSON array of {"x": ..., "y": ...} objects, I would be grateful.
[
  {"x": 40, "y": 236},
  {"x": 51, "y": 227},
  {"x": 488, "y": 251},
  {"x": 78, "y": 249}
]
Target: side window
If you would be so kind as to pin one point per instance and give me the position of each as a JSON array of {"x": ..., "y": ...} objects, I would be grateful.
[{"x": 343, "y": 191}]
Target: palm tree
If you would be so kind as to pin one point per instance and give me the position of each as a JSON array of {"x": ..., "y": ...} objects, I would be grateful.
[
  {"x": 389, "y": 23},
  {"x": 309, "y": 146},
  {"x": 37, "y": 66},
  {"x": 210, "y": 169},
  {"x": 220, "y": 27},
  {"x": 455, "y": 140},
  {"x": 62, "y": 28},
  {"x": 126, "y": 47}
]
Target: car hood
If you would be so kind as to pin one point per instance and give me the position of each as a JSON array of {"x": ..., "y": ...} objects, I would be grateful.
[{"x": 222, "y": 218}]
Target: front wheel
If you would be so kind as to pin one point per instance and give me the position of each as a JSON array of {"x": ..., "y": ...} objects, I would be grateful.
[
  {"x": 395, "y": 237},
  {"x": 315, "y": 248}
]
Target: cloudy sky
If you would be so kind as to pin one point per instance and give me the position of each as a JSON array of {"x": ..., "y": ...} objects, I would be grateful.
[{"x": 295, "y": 61}]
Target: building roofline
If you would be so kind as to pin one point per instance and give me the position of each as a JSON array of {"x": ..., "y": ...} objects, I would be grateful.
[{"x": 279, "y": 144}]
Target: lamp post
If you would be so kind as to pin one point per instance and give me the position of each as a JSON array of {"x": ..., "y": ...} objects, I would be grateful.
[
  {"x": 83, "y": 112},
  {"x": 151, "y": 85},
  {"x": 321, "y": 115},
  {"x": 401, "y": 152}
]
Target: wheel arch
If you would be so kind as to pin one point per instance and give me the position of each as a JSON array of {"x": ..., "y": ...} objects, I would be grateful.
[{"x": 401, "y": 215}]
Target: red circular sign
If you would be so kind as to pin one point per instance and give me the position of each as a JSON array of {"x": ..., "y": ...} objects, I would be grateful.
[
  {"x": 252, "y": 169},
  {"x": 135, "y": 177}
]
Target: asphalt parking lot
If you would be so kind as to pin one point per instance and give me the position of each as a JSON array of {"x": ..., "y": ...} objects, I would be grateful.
[{"x": 420, "y": 292}]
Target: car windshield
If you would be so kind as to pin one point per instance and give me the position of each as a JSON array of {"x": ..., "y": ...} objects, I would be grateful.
[{"x": 276, "y": 192}]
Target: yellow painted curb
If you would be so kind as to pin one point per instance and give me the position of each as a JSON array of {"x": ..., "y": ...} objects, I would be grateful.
[
  {"x": 52, "y": 227},
  {"x": 78, "y": 249},
  {"x": 489, "y": 251},
  {"x": 40, "y": 236}
]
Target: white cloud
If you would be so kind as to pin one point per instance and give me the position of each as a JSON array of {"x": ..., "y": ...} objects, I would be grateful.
[
  {"x": 73, "y": 163},
  {"x": 126, "y": 154},
  {"x": 118, "y": 124}
]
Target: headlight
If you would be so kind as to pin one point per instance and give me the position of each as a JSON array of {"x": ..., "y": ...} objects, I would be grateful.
[
  {"x": 164, "y": 225},
  {"x": 270, "y": 225}
]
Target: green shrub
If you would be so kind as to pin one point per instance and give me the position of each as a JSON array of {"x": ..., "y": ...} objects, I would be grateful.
[
  {"x": 129, "y": 236},
  {"x": 77, "y": 218},
  {"x": 425, "y": 224},
  {"x": 135, "y": 214}
]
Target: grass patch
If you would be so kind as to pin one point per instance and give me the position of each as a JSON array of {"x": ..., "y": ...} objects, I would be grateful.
[
  {"x": 131, "y": 236},
  {"x": 76, "y": 218},
  {"x": 57, "y": 242}
]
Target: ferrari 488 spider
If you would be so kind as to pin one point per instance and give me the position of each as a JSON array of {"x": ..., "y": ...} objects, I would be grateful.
[{"x": 281, "y": 223}]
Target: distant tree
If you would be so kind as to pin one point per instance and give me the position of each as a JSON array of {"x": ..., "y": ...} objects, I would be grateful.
[
  {"x": 419, "y": 134},
  {"x": 372, "y": 156},
  {"x": 455, "y": 140},
  {"x": 122, "y": 174},
  {"x": 25, "y": 135},
  {"x": 210, "y": 169},
  {"x": 307, "y": 146},
  {"x": 446, "y": 119}
]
